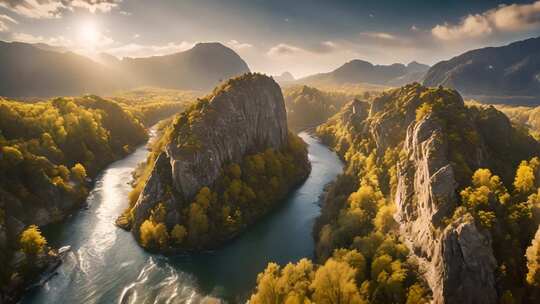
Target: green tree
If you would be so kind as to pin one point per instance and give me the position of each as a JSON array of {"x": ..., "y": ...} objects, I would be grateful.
[{"x": 178, "y": 234}]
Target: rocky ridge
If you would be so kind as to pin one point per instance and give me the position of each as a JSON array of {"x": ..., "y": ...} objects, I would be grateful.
[
  {"x": 441, "y": 142},
  {"x": 245, "y": 115}
]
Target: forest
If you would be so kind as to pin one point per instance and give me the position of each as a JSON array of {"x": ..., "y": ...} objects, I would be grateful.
[
  {"x": 50, "y": 151},
  {"x": 308, "y": 107}
]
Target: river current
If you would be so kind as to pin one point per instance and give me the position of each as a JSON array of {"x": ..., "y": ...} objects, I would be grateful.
[{"x": 105, "y": 264}]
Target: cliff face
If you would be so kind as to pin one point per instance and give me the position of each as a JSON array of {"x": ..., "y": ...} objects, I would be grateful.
[
  {"x": 244, "y": 116},
  {"x": 234, "y": 122},
  {"x": 440, "y": 143},
  {"x": 457, "y": 260}
]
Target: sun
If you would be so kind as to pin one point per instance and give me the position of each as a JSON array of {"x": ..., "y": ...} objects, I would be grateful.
[{"x": 88, "y": 34}]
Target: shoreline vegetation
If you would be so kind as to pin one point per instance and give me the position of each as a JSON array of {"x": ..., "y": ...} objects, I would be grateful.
[{"x": 50, "y": 153}]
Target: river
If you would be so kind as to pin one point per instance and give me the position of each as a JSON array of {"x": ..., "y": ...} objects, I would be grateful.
[{"x": 107, "y": 266}]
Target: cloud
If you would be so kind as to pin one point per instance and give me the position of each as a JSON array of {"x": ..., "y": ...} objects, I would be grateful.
[
  {"x": 284, "y": 49},
  {"x": 504, "y": 18},
  {"x": 139, "y": 50},
  {"x": 470, "y": 27},
  {"x": 53, "y": 41},
  {"x": 4, "y": 19},
  {"x": 379, "y": 35},
  {"x": 39, "y": 9},
  {"x": 94, "y": 6},
  {"x": 322, "y": 47},
  {"x": 238, "y": 45}
]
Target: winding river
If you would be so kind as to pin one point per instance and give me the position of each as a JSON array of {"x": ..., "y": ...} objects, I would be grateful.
[{"x": 106, "y": 265}]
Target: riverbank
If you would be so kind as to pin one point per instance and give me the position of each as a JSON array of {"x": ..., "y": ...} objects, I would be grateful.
[{"x": 107, "y": 266}]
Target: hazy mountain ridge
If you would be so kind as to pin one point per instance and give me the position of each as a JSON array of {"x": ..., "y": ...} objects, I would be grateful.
[
  {"x": 360, "y": 71},
  {"x": 512, "y": 70},
  {"x": 37, "y": 70}
]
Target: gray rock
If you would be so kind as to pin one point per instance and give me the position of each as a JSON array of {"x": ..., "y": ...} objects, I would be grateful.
[
  {"x": 457, "y": 259},
  {"x": 246, "y": 115}
]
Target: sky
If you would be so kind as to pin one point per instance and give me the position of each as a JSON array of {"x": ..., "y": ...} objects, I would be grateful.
[{"x": 273, "y": 36}]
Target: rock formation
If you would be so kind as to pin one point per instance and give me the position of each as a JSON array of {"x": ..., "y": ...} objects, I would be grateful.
[
  {"x": 457, "y": 260},
  {"x": 245, "y": 115},
  {"x": 441, "y": 142}
]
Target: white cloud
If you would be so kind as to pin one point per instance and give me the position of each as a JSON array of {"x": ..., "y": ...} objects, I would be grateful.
[
  {"x": 94, "y": 6},
  {"x": 54, "y": 9},
  {"x": 54, "y": 41},
  {"x": 320, "y": 48},
  {"x": 4, "y": 20},
  {"x": 504, "y": 18},
  {"x": 470, "y": 27},
  {"x": 238, "y": 45},
  {"x": 379, "y": 35},
  {"x": 139, "y": 50},
  {"x": 284, "y": 49}
]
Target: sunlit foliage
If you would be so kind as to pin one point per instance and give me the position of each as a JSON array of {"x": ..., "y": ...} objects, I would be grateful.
[
  {"x": 32, "y": 242},
  {"x": 533, "y": 261},
  {"x": 244, "y": 192}
]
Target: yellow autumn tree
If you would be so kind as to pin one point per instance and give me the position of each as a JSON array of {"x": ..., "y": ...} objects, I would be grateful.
[
  {"x": 334, "y": 283},
  {"x": 31, "y": 241},
  {"x": 153, "y": 235},
  {"x": 533, "y": 261},
  {"x": 524, "y": 181},
  {"x": 78, "y": 172}
]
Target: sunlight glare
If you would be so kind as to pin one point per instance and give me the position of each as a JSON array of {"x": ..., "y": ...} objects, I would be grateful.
[{"x": 88, "y": 34}]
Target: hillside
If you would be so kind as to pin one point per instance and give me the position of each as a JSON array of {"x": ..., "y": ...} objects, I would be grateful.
[
  {"x": 435, "y": 200},
  {"x": 199, "y": 68},
  {"x": 29, "y": 70},
  {"x": 37, "y": 71},
  {"x": 359, "y": 71},
  {"x": 218, "y": 167},
  {"x": 49, "y": 153},
  {"x": 508, "y": 73},
  {"x": 308, "y": 107}
]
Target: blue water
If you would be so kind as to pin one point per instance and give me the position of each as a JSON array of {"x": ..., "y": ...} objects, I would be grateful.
[{"x": 107, "y": 266}]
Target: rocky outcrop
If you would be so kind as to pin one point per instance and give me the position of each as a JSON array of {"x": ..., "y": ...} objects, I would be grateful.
[
  {"x": 440, "y": 143},
  {"x": 457, "y": 259},
  {"x": 245, "y": 115}
]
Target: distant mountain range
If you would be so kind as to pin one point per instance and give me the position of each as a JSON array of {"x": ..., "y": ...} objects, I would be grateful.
[
  {"x": 40, "y": 70},
  {"x": 509, "y": 73},
  {"x": 285, "y": 77},
  {"x": 360, "y": 71}
]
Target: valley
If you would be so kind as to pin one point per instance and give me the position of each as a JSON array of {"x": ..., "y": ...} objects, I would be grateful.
[{"x": 263, "y": 152}]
